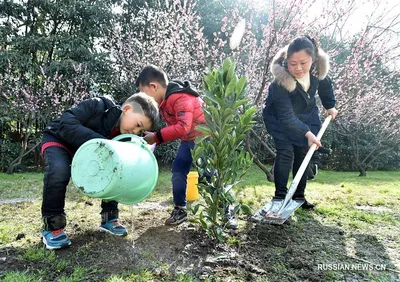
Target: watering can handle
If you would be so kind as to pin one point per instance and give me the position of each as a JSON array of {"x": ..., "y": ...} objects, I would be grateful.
[{"x": 129, "y": 138}]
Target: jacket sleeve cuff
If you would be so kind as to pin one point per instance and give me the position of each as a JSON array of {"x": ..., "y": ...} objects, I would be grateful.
[
  {"x": 158, "y": 137},
  {"x": 305, "y": 130}
]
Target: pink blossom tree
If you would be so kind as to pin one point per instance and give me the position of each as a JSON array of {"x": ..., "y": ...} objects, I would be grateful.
[
  {"x": 33, "y": 103},
  {"x": 366, "y": 85},
  {"x": 167, "y": 35}
]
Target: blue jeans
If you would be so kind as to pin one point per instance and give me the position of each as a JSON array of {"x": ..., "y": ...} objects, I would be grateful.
[
  {"x": 288, "y": 157},
  {"x": 56, "y": 178},
  {"x": 180, "y": 169}
]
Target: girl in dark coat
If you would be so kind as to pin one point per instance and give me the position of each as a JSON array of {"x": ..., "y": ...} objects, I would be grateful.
[{"x": 291, "y": 114}]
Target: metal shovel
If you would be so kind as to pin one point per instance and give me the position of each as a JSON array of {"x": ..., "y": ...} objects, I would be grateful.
[{"x": 279, "y": 210}]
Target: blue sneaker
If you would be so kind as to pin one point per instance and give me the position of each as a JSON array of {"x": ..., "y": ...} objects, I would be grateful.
[
  {"x": 114, "y": 227},
  {"x": 56, "y": 239}
]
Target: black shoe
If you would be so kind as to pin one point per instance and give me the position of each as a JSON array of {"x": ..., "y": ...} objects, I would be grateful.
[
  {"x": 307, "y": 205},
  {"x": 178, "y": 216}
]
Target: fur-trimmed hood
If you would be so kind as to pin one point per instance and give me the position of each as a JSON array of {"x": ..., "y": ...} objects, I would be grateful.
[{"x": 284, "y": 78}]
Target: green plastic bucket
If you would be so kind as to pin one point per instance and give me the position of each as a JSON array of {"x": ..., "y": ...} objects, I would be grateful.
[{"x": 123, "y": 169}]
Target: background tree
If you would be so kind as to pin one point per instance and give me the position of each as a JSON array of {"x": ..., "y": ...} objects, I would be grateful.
[
  {"x": 368, "y": 99},
  {"x": 30, "y": 105},
  {"x": 41, "y": 41},
  {"x": 166, "y": 34},
  {"x": 54, "y": 35}
]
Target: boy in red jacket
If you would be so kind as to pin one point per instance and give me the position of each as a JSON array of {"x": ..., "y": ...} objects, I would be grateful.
[{"x": 180, "y": 106}]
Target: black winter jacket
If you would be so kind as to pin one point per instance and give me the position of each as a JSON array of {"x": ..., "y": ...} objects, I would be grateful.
[
  {"x": 290, "y": 112},
  {"x": 92, "y": 118}
]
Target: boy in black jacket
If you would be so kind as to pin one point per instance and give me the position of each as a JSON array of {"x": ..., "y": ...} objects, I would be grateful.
[{"x": 97, "y": 117}]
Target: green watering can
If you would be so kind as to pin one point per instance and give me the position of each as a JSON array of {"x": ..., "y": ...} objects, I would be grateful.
[{"x": 123, "y": 169}]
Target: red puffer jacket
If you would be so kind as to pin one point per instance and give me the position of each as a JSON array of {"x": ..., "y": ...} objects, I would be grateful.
[{"x": 181, "y": 109}]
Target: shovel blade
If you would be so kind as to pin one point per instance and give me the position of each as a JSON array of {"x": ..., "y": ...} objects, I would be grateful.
[
  {"x": 274, "y": 213},
  {"x": 290, "y": 208}
]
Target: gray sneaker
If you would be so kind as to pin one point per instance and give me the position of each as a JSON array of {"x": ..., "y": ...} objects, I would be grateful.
[
  {"x": 232, "y": 221},
  {"x": 178, "y": 216}
]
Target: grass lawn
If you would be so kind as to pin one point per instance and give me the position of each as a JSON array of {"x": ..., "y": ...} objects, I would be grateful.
[{"x": 353, "y": 235}]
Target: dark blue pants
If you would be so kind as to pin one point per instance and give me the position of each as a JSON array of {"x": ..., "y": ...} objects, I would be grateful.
[
  {"x": 288, "y": 157},
  {"x": 180, "y": 169},
  {"x": 56, "y": 178}
]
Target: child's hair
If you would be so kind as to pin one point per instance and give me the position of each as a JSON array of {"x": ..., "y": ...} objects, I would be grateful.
[
  {"x": 144, "y": 104},
  {"x": 150, "y": 74},
  {"x": 305, "y": 43}
]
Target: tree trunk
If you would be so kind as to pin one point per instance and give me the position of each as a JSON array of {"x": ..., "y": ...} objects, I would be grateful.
[
  {"x": 270, "y": 175},
  {"x": 362, "y": 170},
  {"x": 17, "y": 161},
  {"x": 22, "y": 154}
]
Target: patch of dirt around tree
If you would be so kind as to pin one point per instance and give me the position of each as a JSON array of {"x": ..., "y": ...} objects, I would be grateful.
[{"x": 290, "y": 252}]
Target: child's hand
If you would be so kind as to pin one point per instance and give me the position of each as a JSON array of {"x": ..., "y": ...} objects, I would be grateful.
[
  {"x": 333, "y": 112},
  {"x": 152, "y": 147},
  {"x": 312, "y": 139},
  {"x": 149, "y": 137}
]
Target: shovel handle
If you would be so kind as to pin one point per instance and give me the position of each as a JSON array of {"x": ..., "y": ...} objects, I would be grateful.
[
  {"x": 324, "y": 127},
  {"x": 305, "y": 162}
]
